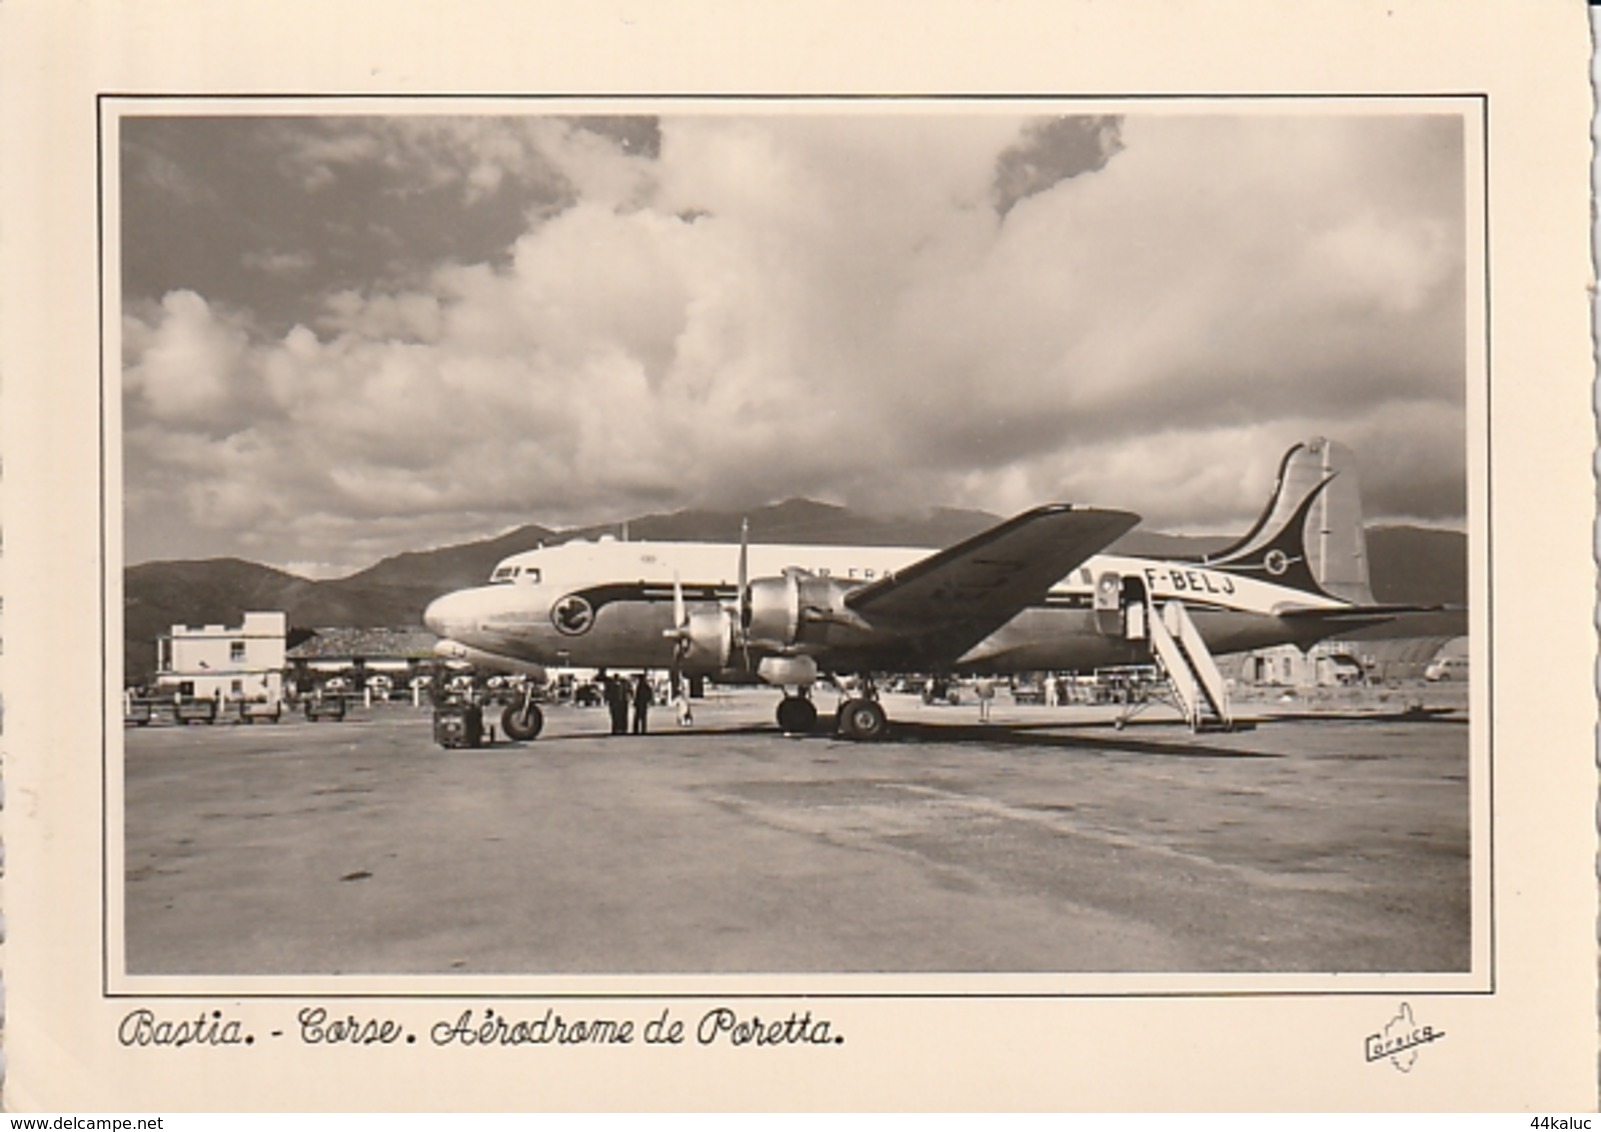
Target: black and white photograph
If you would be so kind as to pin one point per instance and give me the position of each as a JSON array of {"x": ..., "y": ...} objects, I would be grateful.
[
  {"x": 748, "y": 539},
  {"x": 625, "y": 572}
]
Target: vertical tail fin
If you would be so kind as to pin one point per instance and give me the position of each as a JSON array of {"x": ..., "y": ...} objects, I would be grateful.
[{"x": 1310, "y": 536}]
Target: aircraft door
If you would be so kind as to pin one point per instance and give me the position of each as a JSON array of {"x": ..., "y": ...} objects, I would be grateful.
[
  {"x": 1109, "y": 604},
  {"x": 1134, "y": 608},
  {"x": 1120, "y": 606}
]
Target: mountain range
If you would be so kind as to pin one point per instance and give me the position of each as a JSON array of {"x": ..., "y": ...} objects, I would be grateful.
[{"x": 1408, "y": 564}]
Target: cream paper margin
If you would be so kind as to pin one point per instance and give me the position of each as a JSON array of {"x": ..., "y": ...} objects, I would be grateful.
[{"x": 1530, "y": 1044}]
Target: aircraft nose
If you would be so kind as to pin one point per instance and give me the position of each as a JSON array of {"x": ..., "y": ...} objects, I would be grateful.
[{"x": 445, "y": 615}]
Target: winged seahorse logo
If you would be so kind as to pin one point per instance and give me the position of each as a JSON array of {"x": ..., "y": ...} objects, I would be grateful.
[{"x": 572, "y": 615}]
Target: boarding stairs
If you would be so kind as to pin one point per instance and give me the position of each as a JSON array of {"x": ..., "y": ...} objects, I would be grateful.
[{"x": 1198, "y": 687}]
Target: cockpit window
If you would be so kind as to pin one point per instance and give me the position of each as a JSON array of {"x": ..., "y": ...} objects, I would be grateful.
[{"x": 528, "y": 574}]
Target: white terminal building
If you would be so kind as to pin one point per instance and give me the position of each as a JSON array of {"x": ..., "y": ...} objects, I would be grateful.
[{"x": 217, "y": 661}]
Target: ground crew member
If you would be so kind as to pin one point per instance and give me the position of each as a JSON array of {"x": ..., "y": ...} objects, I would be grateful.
[
  {"x": 642, "y": 697},
  {"x": 985, "y": 690},
  {"x": 614, "y": 690}
]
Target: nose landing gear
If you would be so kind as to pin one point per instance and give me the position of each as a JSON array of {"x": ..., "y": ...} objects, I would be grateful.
[{"x": 522, "y": 721}]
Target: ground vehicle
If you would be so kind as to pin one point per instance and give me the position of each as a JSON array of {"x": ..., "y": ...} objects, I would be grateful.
[
  {"x": 1447, "y": 668},
  {"x": 1028, "y": 691}
]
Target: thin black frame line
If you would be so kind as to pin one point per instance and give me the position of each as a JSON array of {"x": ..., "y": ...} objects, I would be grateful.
[
  {"x": 794, "y": 996},
  {"x": 105, "y": 643},
  {"x": 1487, "y": 558},
  {"x": 769, "y": 96}
]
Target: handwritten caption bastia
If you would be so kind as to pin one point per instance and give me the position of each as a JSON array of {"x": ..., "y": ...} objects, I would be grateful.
[{"x": 488, "y": 1027}]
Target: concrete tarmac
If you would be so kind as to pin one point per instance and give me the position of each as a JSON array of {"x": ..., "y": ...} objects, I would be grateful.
[{"x": 1332, "y": 837}]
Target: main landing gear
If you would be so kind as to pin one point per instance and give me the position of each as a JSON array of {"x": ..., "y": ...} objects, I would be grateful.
[
  {"x": 797, "y": 715},
  {"x": 860, "y": 717},
  {"x": 863, "y": 719}
]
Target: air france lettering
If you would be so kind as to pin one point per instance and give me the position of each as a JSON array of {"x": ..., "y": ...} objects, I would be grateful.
[{"x": 1176, "y": 581}]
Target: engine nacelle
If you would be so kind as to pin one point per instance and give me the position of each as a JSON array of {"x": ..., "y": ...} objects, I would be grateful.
[
  {"x": 788, "y": 671},
  {"x": 774, "y": 610},
  {"x": 709, "y": 637},
  {"x": 796, "y": 608}
]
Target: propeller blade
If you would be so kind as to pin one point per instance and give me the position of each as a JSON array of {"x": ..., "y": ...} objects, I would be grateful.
[
  {"x": 678, "y": 634},
  {"x": 744, "y": 574},
  {"x": 744, "y": 590}
]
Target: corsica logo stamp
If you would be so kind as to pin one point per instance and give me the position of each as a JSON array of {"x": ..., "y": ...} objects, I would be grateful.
[{"x": 1401, "y": 1039}]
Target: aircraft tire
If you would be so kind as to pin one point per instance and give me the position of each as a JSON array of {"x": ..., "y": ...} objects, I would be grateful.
[
  {"x": 862, "y": 720},
  {"x": 796, "y": 715},
  {"x": 522, "y": 722}
]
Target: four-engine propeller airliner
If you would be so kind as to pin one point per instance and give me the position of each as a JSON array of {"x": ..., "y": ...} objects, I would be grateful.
[{"x": 1034, "y": 593}]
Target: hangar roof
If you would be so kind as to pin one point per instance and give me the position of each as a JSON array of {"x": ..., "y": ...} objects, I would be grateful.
[{"x": 369, "y": 644}]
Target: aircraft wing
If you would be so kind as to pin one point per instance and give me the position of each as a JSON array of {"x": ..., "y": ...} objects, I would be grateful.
[{"x": 972, "y": 588}]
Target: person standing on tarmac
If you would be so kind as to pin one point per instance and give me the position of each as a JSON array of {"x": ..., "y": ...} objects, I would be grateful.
[
  {"x": 614, "y": 689},
  {"x": 985, "y": 690},
  {"x": 642, "y": 697}
]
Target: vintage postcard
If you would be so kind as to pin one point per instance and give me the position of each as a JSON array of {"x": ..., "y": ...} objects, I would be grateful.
[{"x": 567, "y": 559}]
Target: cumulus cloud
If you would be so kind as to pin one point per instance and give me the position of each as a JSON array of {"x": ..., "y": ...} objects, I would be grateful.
[
  {"x": 895, "y": 311},
  {"x": 189, "y": 363},
  {"x": 278, "y": 263}
]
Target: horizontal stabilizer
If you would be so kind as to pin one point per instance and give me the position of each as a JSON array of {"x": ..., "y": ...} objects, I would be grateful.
[
  {"x": 1377, "y": 620},
  {"x": 1366, "y": 612}
]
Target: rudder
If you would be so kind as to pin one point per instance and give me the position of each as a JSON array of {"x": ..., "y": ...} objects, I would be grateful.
[{"x": 1310, "y": 536}]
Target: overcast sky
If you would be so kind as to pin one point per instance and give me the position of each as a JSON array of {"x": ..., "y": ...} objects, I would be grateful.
[{"x": 346, "y": 337}]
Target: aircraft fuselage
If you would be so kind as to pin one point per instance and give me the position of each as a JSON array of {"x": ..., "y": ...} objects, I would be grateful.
[{"x": 611, "y": 604}]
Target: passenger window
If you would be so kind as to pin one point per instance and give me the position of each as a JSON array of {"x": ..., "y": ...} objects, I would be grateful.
[{"x": 531, "y": 575}]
